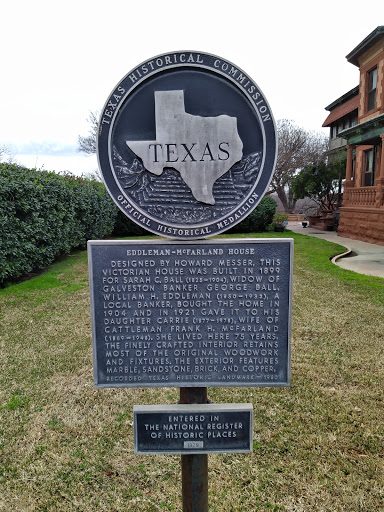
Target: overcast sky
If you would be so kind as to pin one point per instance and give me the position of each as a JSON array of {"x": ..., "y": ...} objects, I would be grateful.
[{"x": 61, "y": 60}]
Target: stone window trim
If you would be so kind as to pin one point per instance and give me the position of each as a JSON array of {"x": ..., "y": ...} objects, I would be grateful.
[{"x": 353, "y": 173}]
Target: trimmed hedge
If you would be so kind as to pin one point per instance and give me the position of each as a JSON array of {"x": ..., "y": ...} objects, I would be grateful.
[
  {"x": 258, "y": 220},
  {"x": 124, "y": 226},
  {"x": 44, "y": 214}
]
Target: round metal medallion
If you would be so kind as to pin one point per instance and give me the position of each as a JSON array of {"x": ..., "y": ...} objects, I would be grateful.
[{"x": 187, "y": 145}]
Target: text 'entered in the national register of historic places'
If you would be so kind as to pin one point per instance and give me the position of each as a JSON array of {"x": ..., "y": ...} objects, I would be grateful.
[{"x": 186, "y": 314}]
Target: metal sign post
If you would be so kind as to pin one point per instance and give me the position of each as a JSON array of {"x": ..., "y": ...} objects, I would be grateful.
[
  {"x": 187, "y": 149},
  {"x": 194, "y": 468}
]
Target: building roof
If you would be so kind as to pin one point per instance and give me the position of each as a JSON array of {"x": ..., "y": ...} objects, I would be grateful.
[
  {"x": 342, "y": 110},
  {"x": 370, "y": 40},
  {"x": 343, "y": 98}
]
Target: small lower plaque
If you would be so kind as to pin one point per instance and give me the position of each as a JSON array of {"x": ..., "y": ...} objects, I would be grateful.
[{"x": 193, "y": 429}]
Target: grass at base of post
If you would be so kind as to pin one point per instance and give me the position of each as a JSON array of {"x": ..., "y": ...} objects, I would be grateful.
[{"x": 318, "y": 445}]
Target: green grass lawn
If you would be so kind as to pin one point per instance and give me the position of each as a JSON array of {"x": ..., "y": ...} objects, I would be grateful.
[{"x": 318, "y": 445}]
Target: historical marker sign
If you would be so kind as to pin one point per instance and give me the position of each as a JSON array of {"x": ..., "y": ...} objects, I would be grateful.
[
  {"x": 187, "y": 145},
  {"x": 190, "y": 429},
  {"x": 186, "y": 314}
]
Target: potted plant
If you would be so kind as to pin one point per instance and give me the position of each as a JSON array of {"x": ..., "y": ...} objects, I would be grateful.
[
  {"x": 304, "y": 222},
  {"x": 280, "y": 220}
]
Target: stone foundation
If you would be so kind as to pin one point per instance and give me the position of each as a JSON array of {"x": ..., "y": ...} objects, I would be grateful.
[
  {"x": 366, "y": 224},
  {"x": 324, "y": 222}
]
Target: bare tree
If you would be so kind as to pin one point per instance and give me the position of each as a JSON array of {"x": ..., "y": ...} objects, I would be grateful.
[
  {"x": 87, "y": 144},
  {"x": 297, "y": 148},
  {"x": 6, "y": 154}
]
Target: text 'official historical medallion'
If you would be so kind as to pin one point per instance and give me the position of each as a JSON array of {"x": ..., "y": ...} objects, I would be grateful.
[{"x": 187, "y": 145}]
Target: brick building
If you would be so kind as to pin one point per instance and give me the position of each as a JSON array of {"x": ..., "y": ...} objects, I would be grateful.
[{"x": 356, "y": 122}]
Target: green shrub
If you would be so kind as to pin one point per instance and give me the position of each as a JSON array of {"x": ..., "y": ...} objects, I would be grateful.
[
  {"x": 43, "y": 215},
  {"x": 258, "y": 220},
  {"x": 126, "y": 227},
  {"x": 279, "y": 219}
]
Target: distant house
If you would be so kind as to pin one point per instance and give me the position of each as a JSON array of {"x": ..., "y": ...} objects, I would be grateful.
[{"x": 356, "y": 122}]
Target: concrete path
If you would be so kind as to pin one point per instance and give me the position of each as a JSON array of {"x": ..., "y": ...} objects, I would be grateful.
[{"x": 360, "y": 257}]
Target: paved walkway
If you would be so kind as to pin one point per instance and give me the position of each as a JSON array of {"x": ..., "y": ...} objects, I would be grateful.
[{"x": 360, "y": 257}]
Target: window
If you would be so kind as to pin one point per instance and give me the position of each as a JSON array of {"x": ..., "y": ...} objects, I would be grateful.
[
  {"x": 372, "y": 80},
  {"x": 353, "y": 164},
  {"x": 369, "y": 174}
]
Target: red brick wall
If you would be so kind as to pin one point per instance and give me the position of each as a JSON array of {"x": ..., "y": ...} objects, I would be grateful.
[
  {"x": 374, "y": 57},
  {"x": 362, "y": 224}
]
